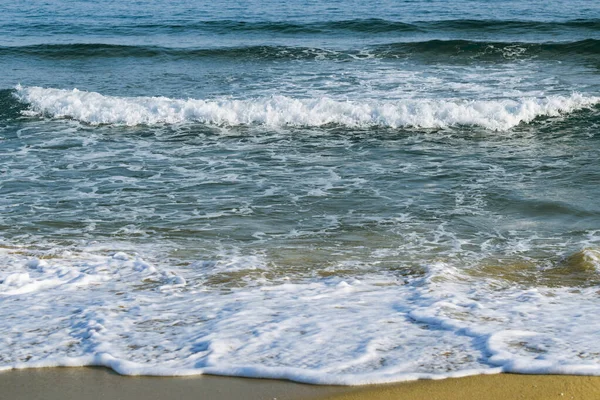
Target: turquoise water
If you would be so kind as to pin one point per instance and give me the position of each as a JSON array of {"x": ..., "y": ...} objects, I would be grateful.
[{"x": 324, "y": 192}]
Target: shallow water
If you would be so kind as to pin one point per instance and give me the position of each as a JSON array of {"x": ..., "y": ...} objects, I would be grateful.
[{"x": 286, "y": 190}]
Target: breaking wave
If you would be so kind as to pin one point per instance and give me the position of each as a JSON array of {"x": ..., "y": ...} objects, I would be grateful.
[{"x": 277, "y": 111}]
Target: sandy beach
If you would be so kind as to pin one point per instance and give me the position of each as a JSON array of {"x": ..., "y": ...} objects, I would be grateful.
[
  {"x": 101, "y": 383},
  {"x": 488, "y": 387}
]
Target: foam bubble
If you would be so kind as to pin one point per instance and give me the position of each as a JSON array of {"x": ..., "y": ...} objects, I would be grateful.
[{"x": 95, "y": 108}]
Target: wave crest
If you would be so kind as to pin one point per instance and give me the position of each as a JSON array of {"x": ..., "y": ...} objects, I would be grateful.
[
  {"x": 277, "y": 111},
  {"x": 435, "y": 49}
]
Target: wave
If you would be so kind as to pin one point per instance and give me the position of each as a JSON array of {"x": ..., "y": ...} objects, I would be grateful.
[
  {"x": 431, "y": 49},
  {"x": 363, "y": 26},
  {"x": 477, "y": 49},
  {"x": 511, "y": 26},
  {"x": 278, "y": 111},
  {"x": 9, "y": 108},
  {"x": 101, "y": 50},
  {"x": 373, "y": 25}
]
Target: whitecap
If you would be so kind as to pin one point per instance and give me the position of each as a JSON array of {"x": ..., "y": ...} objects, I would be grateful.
[{"x": 277, "y": 111}]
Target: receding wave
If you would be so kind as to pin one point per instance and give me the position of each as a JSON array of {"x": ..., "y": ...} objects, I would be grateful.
[
  {"x": 430, "y": 49},
  {"x": 278, "y": 111}
]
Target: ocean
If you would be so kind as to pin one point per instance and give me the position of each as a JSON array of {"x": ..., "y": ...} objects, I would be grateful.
[{"x": 330, "y": 192}]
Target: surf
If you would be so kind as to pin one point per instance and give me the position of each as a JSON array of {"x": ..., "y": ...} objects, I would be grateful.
[{"x": 280, "y": 111}]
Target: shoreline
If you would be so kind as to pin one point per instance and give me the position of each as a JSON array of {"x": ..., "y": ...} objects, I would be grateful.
[{"x": 91, "y": 383}]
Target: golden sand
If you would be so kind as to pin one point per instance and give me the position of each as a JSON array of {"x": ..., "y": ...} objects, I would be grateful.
[
  {"x": 485, "y": 387},
  {"x": 101, "y": 383}
]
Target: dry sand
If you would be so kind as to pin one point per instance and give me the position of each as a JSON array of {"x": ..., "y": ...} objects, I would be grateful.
[
  {"x": 486, "y": 387},
  {"x": 100, "y": 383}
]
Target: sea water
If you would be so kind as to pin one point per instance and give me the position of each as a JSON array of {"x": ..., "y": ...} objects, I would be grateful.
[{"x": 332, "y": 192}]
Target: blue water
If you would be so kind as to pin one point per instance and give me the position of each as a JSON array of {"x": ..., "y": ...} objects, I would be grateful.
[{"x": 328, "y": 192}]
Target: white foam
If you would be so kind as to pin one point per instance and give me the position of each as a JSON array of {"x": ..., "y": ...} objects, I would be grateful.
[
  {"x": 124, "y": 313},
  {"x": 95, "y": 108}
]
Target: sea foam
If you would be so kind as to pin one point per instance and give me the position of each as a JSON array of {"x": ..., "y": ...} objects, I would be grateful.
[
  {"x": 124, "y": 313},
  {"x": 277, "y": 111}
]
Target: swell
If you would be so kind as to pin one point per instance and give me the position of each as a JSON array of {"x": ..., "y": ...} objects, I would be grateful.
[
  {"x": 100, "y": 50},
  {"x": 281, "y": 111},
  {"x": 369, "y": 25},
  {"x": 511, "y": 26},
  {"x": 438, "y": 49},
  {"x": 469, "y": 48}
]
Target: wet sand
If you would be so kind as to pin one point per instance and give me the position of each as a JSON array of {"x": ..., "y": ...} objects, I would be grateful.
[{"x": 101, "y": 383}]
